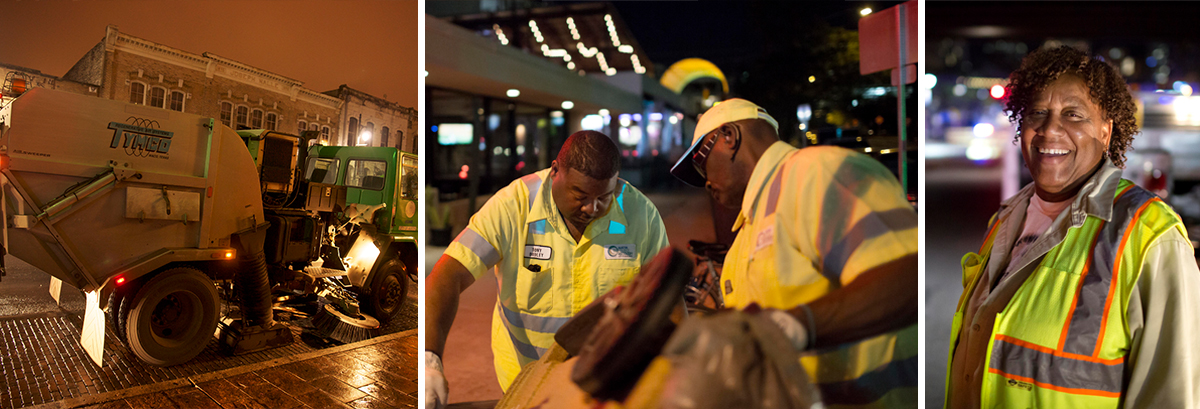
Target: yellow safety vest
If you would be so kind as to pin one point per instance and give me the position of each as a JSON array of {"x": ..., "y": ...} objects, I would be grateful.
[
  {"x": 545, "y": 276},
  {"x": 1061, "y": 341},
  {"x": 812, "y": 220}
]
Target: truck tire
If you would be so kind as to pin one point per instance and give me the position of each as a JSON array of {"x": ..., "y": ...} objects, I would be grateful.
[
  {"x": 120, "y": 303},
  {"x": 172, "y": 317},
  {"x": 389, "y": 291}
]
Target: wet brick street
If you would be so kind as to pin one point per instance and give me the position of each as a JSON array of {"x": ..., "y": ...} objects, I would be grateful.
[{"x": 42, "y": 362}]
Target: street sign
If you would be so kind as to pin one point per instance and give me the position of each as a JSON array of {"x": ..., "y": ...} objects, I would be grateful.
[
  {"x": 888, "y": 40},
  {"x": 878, "y": 48}
]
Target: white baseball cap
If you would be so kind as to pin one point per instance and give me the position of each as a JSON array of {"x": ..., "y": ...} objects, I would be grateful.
[{"x": 727, "y": 111}]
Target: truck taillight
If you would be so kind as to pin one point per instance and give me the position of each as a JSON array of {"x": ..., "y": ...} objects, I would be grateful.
[
  {"x": 120, "y": 280},
  {"x": 3, "y": 162},
  {"x": 228, "y": 255}
]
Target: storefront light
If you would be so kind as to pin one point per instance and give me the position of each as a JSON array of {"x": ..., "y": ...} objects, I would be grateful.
[
  {"x": 513, "y": 93},
  {"x": 592, "y": 122}
]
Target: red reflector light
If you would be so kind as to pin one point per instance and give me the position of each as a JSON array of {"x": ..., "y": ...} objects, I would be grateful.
[
  {"x": 120, "y": 280},
  {"x": 210, "y": 192},
  {"x": 228, "y": 254}
]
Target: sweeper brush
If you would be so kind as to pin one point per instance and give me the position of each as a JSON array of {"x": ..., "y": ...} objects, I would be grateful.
[{"x": 331, "y": 323}]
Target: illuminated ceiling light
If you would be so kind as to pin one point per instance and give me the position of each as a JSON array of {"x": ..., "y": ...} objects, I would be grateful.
[
  {"x": 625, "y": 48},
  {"x": 603, "y": 62},
  {"x": 864, "y": 12},
  {"x": 574, "y": 31},
  {"x": 568, "y": 105},
  {"x": 513, "y": 93},
  {"x": 612, "y": 30},
  {"x": 637, "y": 64},
  {"x": 500, "y": 34},
  {"x": 537, "y": 34},
  {"x": 570, "y": 65},
  {"x": 812, "y": 78},
  {"x": 611, "y": 71},
  {"x": 585, "y": 51}
]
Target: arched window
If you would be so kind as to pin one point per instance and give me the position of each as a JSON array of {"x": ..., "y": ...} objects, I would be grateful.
[
  {"x": 227, "y": 113},
  {"x": 271, "y": 118},
  {"x": 242, "y": 114},
  {"x": 256, "y": 119},
  {"x": 158, "y": 97},
  {"x": 137, "y": 93},
  {"x": 352, "y": 132},
  {"x": 176, "y": 101},
  {"x": 383, "y": 141},
  {"x": 301, "y": 126}
]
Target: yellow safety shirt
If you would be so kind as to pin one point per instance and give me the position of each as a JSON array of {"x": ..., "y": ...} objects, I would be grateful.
[
  {"x": 812, "y": 220},
  {"x": 545, "y": 276}
]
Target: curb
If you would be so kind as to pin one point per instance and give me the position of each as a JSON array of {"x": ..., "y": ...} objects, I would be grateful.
[{"x": 211, "y": 376}]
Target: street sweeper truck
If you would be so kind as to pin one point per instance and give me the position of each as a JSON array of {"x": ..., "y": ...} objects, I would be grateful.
[{"x": 177, "y": 228}]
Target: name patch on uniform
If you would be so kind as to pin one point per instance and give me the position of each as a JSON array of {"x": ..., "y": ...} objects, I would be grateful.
[
  {"x": 765, "y": 238},
  {"x": 620, "y": 252},
  {"x": 538, "y": 252}
]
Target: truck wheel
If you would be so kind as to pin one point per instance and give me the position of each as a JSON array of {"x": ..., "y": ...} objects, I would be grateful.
[
  {"x": 389, "y": 291},
  {"x": 172, "y": 317},
  {"x": 123, "y": 299}
]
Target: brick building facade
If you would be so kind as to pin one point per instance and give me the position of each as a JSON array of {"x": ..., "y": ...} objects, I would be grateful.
[
  {"x": 372, "y": 121},
  {"x": 133, "y": 69}
]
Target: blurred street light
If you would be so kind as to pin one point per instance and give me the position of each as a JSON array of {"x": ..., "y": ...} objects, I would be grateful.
[
  {"x": 513, "y": 93},
  {"x": 864, "y": 12},
  {"x": 997, "y": 91}
]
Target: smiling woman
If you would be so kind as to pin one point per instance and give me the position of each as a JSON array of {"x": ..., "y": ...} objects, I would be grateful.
[{"x": 1082, "y": 268}]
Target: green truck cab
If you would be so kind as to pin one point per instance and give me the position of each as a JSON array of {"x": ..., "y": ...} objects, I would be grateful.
[
  {"x": 381, "y": 182},
  {"x": 365, "y": 204}
]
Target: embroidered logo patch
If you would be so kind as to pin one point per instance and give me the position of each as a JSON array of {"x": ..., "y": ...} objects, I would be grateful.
[
  {"x": 765, "y": 238},
  {"x": 538, "y": 252},
  {"x": 620, "y": 252}
]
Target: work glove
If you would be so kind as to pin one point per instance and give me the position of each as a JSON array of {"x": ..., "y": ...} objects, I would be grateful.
[
  {"x": 436, "y": 392},
  {"x": 792, "y": 328}
]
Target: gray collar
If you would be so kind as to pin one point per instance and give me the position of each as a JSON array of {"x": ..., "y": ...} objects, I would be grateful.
[{"x": 1094, "y": 199}]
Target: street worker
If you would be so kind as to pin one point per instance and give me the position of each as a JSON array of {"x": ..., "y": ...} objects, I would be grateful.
[
  {"x": 1085, "y": 289},
  {"x": 558, "y": 239},
  {"x": 827, "y": 243}
]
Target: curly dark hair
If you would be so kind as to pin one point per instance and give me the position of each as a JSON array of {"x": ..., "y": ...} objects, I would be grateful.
[{"x": 1105, "y": 85}]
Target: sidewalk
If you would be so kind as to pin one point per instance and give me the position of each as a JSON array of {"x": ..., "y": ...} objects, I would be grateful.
[{"x": 377, "y": 373}]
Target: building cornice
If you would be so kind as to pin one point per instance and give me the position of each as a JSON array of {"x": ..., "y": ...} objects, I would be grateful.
[{"x": 214, "y": 65}]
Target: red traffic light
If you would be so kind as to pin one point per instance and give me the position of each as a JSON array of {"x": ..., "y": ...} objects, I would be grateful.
[{"x": 997, "y": 91}]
